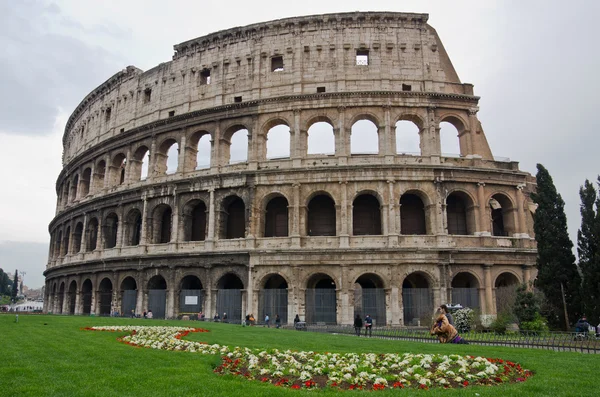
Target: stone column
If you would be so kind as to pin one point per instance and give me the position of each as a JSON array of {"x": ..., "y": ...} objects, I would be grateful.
[
  {"x": 175, "y": 215},
  {"x": 387, "y": 138},
  {"x": 526, "y": 274},
  {"x": 341, "y": 138},
  {"x": 171, "y": 310},
  {"x": 296, "y": 149},
  {"x": 182, "y": 150},
  {"x": 139, "y": 301},
  {"x": 78, "y": 303},
  {"x": 489, "y": 296},
  {"x": 295, "y": 216},
  {"x": 484, "y": 223},
  {"x": 393, "y": 226},
  {"x": 128, "y": 167},
  {"x": 344, "y": 206},
  {"x": 144, "y": 231},
  {"x": 120, "y": 227},
  {"x": 522, "y": 228},
  {"x": 255, "y": 138}
]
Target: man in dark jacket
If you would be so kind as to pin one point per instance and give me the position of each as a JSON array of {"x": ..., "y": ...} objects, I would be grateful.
[
  {"x": 358, "y": 325},
  {"x": 368, "y": 325},
  {"x": 447, "y": 314}
]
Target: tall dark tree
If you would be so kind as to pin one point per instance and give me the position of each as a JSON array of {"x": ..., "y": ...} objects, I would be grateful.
[
  {"x": 588, "y": 249},
  {"x": 15, "y": 286},
  {"x": 4, "y": 283},
  {"x": 557, "y": 272}
]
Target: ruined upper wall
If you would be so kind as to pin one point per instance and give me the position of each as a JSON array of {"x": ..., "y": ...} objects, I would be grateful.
[{"x": 318, "y": 52}]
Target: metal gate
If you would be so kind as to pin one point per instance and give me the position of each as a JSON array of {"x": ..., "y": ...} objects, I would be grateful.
[
  {"x": 417, "y": 305},
  {"x": 273, "y": 302},
  {"x": 230, "y": 301},
  {"x": 467, "y": 297},
  {"x": 370, "y": 301},
  {"x": 87, "y": 302},
  {"x": 157, "y": 302},
  {"x": 105, "y": 303},
  {"x": 71, "y": 302},
  {"x": 190, "y": 300},
  {"x": 321, "y": 305},
  {"x": 128, "y": 302}
]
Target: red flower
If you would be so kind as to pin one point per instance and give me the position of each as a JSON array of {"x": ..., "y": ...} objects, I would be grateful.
[
  {"x": 465, "y": 383},
  {"x": 295, "y": 386},
  {"x": 398, "y": 385},
  {"x": 264, "y": 380},
  {"x": 309, "y": 383},
  {"x": 424, "y": 387},
  {"x": 378, "y": 387}
]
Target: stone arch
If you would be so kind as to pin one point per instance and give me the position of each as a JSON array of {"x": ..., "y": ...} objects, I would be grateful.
[
  {"x": 465, "y": 289},
  {"x": 229, "y": 296},
  {"x": 278, "y": 140},
  {"x": 320, "y": 136},
  {"x": 460, "y": 213},
  {"x": 369, "y": 297},
  {"x": 61, "y": 297},
  {"x": 276, "y": 218},
  {"x": 273, "y": 297},
  {"x": 451, "y": 135},
  {"x": 86, "y": 178},
  {"x": 321, "y": 299},
  {"x": 167, "y": 157},
  {"x": 502, "y": 214},
  {"x": 413, "y": 214},
  {"x": 110, "y": 232},
  {"x": 321, "y": 215},
  {"x": 128, "y": 291},
  {"x": 118, "y": 165},
  {"x": 417, "y": 297},
  {"x": 195, "y": 220},
  {"x": 99, "y": 175},
  {"x": 92, "y": 234},
  {"x": 408, "y": 135},
  {"x": 364, "y": 135},
  {"x": 86, "y": 296},
  {"x": 134, "y": 224},
  {"x": 233, "y": 218},
  {"x": 105, "y": 291},
  {"x": 162, "y": 224},
  {"x": 366, "y": 215},
  {"x": 77, "y": 236},
  {"x": 157, "y": 296},
  {"x": 235, "y": 146},
  {"x": 191, "y": 294},
  {"x": 66, "y": 241},
  {"x": 139, "y": 167},
  {"x": 74, "y": 187},
  {"x": 72, "y": 296},
  {"x": 505, "y": 290},
  {"x": 199, "y": 150}
]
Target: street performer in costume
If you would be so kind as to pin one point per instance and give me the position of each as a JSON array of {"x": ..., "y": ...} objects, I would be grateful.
[{"x": 445, "y": 332}]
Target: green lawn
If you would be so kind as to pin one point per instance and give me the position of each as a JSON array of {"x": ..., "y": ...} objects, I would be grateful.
[{"x": 52, "y": 356}]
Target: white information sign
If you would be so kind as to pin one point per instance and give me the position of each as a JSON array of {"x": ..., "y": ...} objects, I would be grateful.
[{"x": 191, "y": 300}]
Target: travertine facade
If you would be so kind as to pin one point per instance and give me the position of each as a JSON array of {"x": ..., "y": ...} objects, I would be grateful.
[{"x": 140, "y": 225}]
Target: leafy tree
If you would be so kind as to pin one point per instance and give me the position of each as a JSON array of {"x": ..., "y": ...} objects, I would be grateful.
[
  {"x": 4, "y": 283},
  {"x": 557, "y": 271},
  {"x": 526, "y": 304},
  {"x": 15, "y": 286},
  {"x": 588, "y": 249}
]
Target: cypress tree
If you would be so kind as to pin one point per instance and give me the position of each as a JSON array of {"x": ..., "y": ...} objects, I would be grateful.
[
  {"x": 15, "y": 286},
  {"x": 588, "y": 249},
  {"x": 557, "y": 271}
]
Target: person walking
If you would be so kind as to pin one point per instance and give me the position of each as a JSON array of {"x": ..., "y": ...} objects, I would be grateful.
[
  {"x": 296, "y": 319},
  {"x": 368, "y": 325},
  {"x": 277, "y": 321},
  {"x": 267, "y": 319},
  {"x": 358, "y": 323}
]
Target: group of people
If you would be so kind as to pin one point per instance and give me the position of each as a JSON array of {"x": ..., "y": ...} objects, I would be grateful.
[
  {"x": 443, "y": 327},
  {"x": 358, "y": 324},
  {"x": 583, "y": 326}
]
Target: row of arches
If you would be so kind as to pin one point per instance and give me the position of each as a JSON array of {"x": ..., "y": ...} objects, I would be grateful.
[
  {"x": 321, "y": 220},
  {"x": 319, "y": 293},
  {"x": 321, "y": 139}
]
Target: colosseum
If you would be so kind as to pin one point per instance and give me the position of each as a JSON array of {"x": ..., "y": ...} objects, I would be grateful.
[{"x": 289, "y": 167}]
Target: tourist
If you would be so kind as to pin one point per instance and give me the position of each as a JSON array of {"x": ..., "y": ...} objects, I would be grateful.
[
  {"x": 225, "y": 317},
  {"x": 132, "y": 313},
  {"x": 149, "y": 314},
  {"x": 296, "y": 320},
  {"x": 358, "y": 323},
  {"x": 267, "y": 319},
  {"x": 368, "y": 325},
  {"x": 216, "y": 318},
  {"x": 445, "y": 332},
  {"x": 247, "y": 323},
  {"x": 277, "y": 321},
  {"x": 582, "y": 325},
  {"x": 145, "y": 314},
  {"x": 252, "y": 319},
  {"x": 447, "y": 314}
]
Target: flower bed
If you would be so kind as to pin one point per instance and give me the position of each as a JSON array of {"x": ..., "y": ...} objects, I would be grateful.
[{"x": 368, "y": 371}]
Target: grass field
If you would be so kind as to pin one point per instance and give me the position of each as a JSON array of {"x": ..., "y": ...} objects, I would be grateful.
[{"x": 52, "y": 356}]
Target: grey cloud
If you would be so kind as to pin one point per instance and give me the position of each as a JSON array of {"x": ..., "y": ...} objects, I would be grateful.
[{"x": 29, "y": 257}]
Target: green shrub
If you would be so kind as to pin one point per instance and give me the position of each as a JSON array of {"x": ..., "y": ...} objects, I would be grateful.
[
  {"x": 501, "y": 323},
  {"x": 538, "y": 324}
]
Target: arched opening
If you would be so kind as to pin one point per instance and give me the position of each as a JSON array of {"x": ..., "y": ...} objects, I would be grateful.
[
  {"x": 506, "y": 291},
  {"x": 417, "y": 299},
  {"x": 321, "y": 300},
  {"x": 99, "y": 174},
  {"x": 61, "y": 298},
  {"x": 74, "y": 186},
  {"x": 366, "y": 215},
  {"x": 460, "y": 214},
  {"x": 502, "y": 215},
  {"x": 369, "y": 298},
  {"x": 195, "y": 221},
  {"x": 86, "y": 296},
  {"x": 412, "y": 215},
  {"x": 276, "y": 217},
  {"x": 65, "y": 193},
  {"x": 465, "y": 290},
  {"x": 278, "y": 142},
  {"x": 273, "y": 298},
  {"x": 157, "y": 296},
  {"x": 134, "y": 228},
  {"x": 449, "y": 140},
  {"x": 72, "y": 296},
  {"x": 172, "y": 158},
  {"x": 111, "y": 226},
  {"x": 129, "y": 295},
  {"x": 92, "y": 234},
  {"x": 229, "y": 297},
  {"x": 238, "y": 152},
  {"x": 321, "y": 139},
  {"x": 408, "y": 138},
  {"x": 85, "y": 182},
  {"x": 191, "y": 295},
  {"x": 161, "y": 220},
  {"x": 139, "y": 165},
  {"x": 364, "y": 138},
  {"x": 57, "y": 248},
  {"x": 105, "y": 295},
  {"x": 65, "y": 246},
  {"x": 77, "y": 235},
  {"x": 202, "y": 142},
  {"x": 117, "y": 172},
  {"x": 321, "y": 216},
  {"x": 233, "y": 218}
]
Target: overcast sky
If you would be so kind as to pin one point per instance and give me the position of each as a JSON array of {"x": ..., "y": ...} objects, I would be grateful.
[{"x": 535, "y": 65}]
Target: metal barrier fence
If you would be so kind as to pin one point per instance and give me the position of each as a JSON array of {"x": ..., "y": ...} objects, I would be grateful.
[{"x": 556, "y": 341}]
